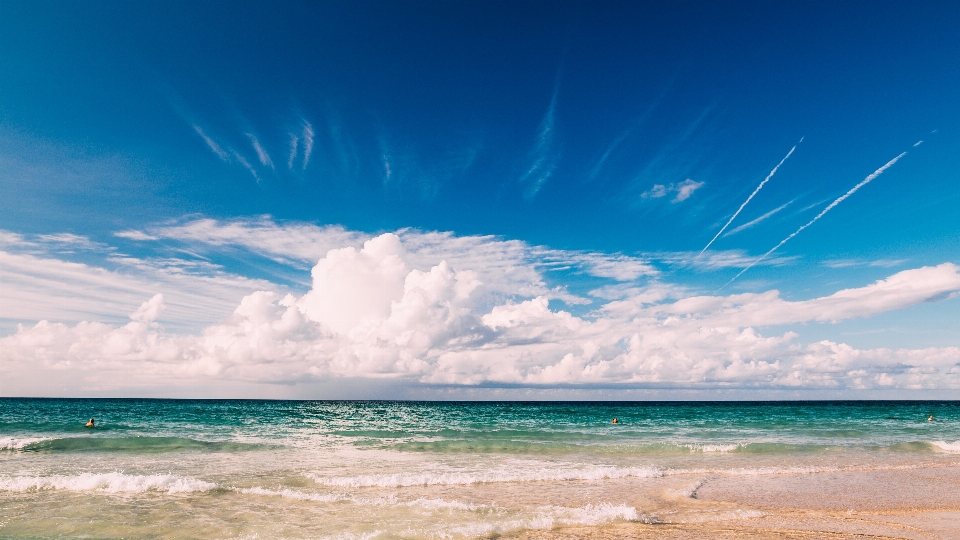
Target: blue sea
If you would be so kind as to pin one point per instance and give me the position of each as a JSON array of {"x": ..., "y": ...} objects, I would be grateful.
[{"x": 385, "y": 470}]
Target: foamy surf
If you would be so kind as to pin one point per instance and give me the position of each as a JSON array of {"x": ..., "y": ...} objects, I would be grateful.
[
  {"x": 107, "y": 483},
  {"x": 13, "y": 444},
  {"x": 713, "y": 448},
  {"x": 548, "y": 517},
  {"x": 950, "y": 448},
  {"x": 499, "y": 475},
  {"x": 422, "y": 502}
]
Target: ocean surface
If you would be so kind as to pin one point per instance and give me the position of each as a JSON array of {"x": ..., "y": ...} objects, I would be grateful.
[{"x": 365, "y": 470}]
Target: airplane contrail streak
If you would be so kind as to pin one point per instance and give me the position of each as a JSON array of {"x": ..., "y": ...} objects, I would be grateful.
[
  {"x": 755, "y": 191},
  {"x": 840, "y": 199}
]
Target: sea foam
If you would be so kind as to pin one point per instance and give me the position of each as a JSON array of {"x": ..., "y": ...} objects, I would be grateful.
[
  {"x": 548, "y": 517},
  {"x": 951, "y": 448},
  {"x": 513, "y": 474},
  {"x": 10, "y": 443},
  {"x": 107, "y": 482},
  {"x": 422, "y": 502}
]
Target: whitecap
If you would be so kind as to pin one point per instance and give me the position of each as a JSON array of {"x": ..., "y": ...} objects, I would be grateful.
[
  {"x": 951, "y": 448},
  {"x": 10, "y": 443},
  {"x": 107, "y": 482}
]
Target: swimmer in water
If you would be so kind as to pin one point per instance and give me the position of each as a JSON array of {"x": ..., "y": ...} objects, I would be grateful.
[
  {"x": 930, "y": 419},
  {"x": 615, "y": 421},
  {"x": 89, "y": 424}
]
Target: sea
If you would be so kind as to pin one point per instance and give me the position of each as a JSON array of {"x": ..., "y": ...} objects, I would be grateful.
[{"x": 422, "y": 470}]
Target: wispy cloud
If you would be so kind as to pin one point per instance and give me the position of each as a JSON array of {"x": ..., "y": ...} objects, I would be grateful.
[
  {"x": 752, "y": 195},
  {"x": 294, "y": 144},
  {"x": 71, "y": 241},
  {"x": 307, "y": 136},
  {"x": 684, "y": 190},
  {"x": 245, "y": 164},
  {"x": 139, "y": 236},
  {"x": 839, "y": 200},
  {"x": 713, "y": 260},
  {"x": 598, "y": 166},
  {"x": 543, "y": 153},
  {"x": 595, "y": 170},
  {"x": 212, "y": 144},
  {"x": 749, "y": 224},
  {"x": 851, "y": 263},
  {"x": 387, "y": 171},
  {"x": 261, "y": 153}
]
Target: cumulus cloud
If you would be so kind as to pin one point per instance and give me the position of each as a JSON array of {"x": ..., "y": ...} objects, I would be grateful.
[
  {"x": 375, "y": 310},
  {"x": 511, "y": 267}
]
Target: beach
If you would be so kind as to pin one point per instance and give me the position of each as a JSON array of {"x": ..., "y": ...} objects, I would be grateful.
[
  {"x": 352, "y": 470},
  {"x": 914, "y": 504}
]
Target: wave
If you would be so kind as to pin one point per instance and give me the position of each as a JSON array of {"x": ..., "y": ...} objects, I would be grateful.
[
  {"x": 10, "y": 443},
  {"x": 653, "y": 449},
  {"x": 494, "y": 519},
  {"x": 107, "y": 482},
  {"x": 482, "y": 477},
  {"x": 548, "y": 517},
  {"x": 145, "y": 445},
  {"x": 711, "y": 448},
  {"x": 423, "y": 502},
  {"x": 951, "y": 448}
]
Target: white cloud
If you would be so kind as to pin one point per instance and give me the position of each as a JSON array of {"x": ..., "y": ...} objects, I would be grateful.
[
  {"x": 307, "y": 137},
  {"x": 544, "y": 157},
  {"x": 714, "y": 260},
  {"x": 683, "y": 190},
  {"x": 294, "y": 142},
  {"x": 657, "y": 191},
  {"x": 379, "y": 310},
  {"x": 135, "y": 235},
  {"x": 212, "y": 144},
  {"x": 510, "y": 267},
  {"x": 261, "y": 152},
  {"x": 38, "y": 286}
]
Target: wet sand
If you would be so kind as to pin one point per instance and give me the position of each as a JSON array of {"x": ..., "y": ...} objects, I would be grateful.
[{"x": 921, "y": 504}]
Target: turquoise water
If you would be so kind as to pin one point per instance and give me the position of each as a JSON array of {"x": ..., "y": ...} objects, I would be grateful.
[
  {"x": 187, "y": 425},
  {"x": 418, "y": 470}
]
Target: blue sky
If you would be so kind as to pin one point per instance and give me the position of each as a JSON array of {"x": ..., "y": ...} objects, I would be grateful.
[{"x": 205, "y": 151}]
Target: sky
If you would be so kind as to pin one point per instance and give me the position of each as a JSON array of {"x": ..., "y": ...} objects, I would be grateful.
[{"x": 480, "y": 200}]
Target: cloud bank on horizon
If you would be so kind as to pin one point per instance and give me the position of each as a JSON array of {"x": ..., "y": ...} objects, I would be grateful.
[{"x": 437, "y": 309}]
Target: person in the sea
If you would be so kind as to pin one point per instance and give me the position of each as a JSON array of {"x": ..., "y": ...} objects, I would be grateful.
[
  {"x": 615, "y": 421},
  {"x": 930, "y": 419},
  {"x": 90, "y": 423}
]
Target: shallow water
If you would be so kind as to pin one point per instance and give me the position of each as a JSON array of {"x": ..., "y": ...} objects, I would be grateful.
[{"x": 158, "y": 468}]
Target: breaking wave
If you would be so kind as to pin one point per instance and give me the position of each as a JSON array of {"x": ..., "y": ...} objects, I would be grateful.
[{"x": 107, "y": 482}]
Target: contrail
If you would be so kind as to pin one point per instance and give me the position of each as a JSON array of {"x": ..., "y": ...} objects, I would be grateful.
[
  {"x": 735, "y": 214},
  {"x": 840, "y": 199}
]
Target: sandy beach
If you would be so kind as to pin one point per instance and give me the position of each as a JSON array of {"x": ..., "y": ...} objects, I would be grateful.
[{"x": 916, "y": 504}]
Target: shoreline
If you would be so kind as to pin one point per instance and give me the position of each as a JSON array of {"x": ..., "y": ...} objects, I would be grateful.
[{"x": 915, "y": 504}]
